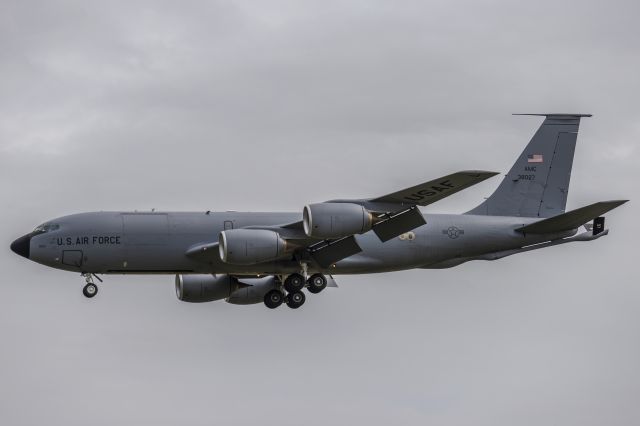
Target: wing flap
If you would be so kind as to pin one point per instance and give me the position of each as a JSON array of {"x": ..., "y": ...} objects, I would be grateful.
[
  {"x": 571, "y": 220},
  {"x": 328, "y": 253},
  {"x": 398, "y": 224}
]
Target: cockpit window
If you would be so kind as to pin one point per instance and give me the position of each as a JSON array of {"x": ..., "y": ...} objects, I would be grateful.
[{"x": 46, "y": 227}]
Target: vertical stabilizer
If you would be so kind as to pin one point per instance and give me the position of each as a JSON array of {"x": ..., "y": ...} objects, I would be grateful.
[{"x": 538, "y": 183}]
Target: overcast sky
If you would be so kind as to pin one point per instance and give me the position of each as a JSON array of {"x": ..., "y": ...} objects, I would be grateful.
[{"x": 255, "y": 105}]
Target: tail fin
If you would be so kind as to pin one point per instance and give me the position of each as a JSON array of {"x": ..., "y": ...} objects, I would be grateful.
[{"x": 538, "y": 183}]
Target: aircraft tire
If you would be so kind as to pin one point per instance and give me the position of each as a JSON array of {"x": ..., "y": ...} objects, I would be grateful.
[
  {"x": 293, "y": 283},
  {"x": 316, "y": 283},
  {"x": 273, "y": 299},
  {"x": 295, "y": 299},
  {"x": 90, "y": 290}
]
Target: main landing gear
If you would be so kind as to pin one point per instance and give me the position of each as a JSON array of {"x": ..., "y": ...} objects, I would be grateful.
[
  {"x": 274, "y": 298},
  {"x": 90, "y": 289},
  {"x": 316, "y": 283},
  {"x": 295, "y": 300},
  {"x": 294, "y": 284}
]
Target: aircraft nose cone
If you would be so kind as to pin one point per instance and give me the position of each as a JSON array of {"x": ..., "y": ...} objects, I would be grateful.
[{"x": 21, "y": 245}]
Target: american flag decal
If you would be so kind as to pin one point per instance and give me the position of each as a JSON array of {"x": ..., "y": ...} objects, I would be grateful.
[{"x": 535, "y": 158}]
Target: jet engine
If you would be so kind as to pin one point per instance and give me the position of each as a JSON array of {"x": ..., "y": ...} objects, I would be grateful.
[
  {"x": 335, "y": 220},
  {"x": 204, "y": 288},
  {"x": 250, "y": 246}
]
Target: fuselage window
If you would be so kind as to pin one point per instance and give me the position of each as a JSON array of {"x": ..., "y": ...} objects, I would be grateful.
[{"x": 46, "y": 227}]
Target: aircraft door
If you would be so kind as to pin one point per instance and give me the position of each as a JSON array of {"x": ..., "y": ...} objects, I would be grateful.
[
  {"x": 228, "y": 224},
  {"x": 72, "y": 258}
]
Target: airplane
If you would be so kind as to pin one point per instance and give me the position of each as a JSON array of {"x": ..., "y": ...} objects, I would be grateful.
[{"x": 269, "y": 257}]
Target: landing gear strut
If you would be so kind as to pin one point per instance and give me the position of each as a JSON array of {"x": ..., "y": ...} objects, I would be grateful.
[{"x": 90, "y": 289}]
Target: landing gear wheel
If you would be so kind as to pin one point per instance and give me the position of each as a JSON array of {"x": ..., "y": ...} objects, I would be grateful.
[
  {"x": 316, "y": 283},
  {"x": 295, "y": 299},
  {"x": 90, "y": 290},
  {"x": 293, "y": 283},
  {"x": 273, "y": 299}
]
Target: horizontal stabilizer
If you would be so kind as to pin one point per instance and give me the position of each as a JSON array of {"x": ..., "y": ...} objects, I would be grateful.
[{"x": 572, "y": 219}]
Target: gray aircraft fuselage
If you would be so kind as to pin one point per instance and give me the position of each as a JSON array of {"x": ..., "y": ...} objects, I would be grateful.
[
  {"x": 157, "y": 242},
  {"x": 250, "y": 258}
]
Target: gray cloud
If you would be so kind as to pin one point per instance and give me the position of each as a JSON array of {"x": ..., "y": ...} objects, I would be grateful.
[{"x": 270, "y": 105}]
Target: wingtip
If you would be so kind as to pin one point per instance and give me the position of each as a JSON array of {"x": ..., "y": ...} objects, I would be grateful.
[
  {"x": 618, "y": 202},
  {"x": 613, "y": 204},
  {"x": 556, "y": 115},
  {"x": 480, "y": 173}
]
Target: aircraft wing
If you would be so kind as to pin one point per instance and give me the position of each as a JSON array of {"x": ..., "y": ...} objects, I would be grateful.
[
  {"x": 435, "y": 190},
  {"x": 395, "y": 213},
  {"x": 388, "y": 216}
]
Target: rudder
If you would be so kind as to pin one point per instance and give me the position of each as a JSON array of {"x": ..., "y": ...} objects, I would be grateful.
[{"x": 538, "y": 183}]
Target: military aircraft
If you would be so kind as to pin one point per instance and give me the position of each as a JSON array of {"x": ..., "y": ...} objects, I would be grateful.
[{"x": 271, "y": 258}]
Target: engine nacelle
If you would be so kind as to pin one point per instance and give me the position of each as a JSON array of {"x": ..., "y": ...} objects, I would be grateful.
[
  {"x": 252, "y": 290},
  {"x": 250, "y": 246},
  {"x": 335, "y": 220},
  {"x": 204, "y": 288}
]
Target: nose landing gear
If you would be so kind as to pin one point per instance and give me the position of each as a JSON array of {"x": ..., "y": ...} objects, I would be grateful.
[{"x": 90, "y": 289}]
